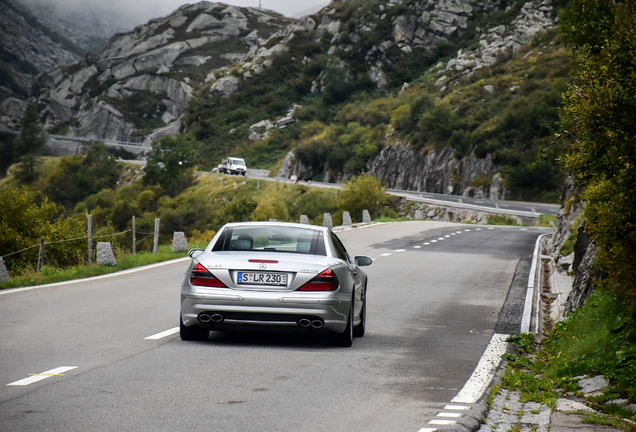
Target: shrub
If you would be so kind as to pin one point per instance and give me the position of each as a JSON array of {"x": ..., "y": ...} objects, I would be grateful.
[{"x": 364, "y": 192}]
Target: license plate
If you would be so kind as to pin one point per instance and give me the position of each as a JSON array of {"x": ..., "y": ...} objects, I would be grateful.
[{"x": 277, "y": 279}]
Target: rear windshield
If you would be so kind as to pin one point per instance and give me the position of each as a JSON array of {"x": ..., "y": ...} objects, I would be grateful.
[{"x": 271, "y": 239}]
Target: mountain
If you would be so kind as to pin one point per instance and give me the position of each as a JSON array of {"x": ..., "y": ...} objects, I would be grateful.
[
  {"x": 137, "y": 88},
  {"x": 311, "y": 10},
  {"x": 27, "y": 48},
  {"x": 448, "y": 96}
]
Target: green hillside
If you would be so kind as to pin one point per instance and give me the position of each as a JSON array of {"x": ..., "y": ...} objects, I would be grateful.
[{"x": 350, "y": 121}]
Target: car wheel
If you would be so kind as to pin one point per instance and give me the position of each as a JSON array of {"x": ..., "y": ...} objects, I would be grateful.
[
  {"x": 345, "y": 339},
  {"x": 194, "y": 333},
  {"x": 358, "y": 331}
]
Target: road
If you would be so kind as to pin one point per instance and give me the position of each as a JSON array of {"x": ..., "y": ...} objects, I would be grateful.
[{"x": 437, "y": 294}]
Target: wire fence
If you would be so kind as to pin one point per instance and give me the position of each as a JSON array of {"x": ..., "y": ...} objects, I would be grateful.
[{"x": 90, "y": 237}]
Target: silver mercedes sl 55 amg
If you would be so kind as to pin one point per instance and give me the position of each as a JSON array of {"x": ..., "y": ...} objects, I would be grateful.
[{"x": 274, "y": 274}]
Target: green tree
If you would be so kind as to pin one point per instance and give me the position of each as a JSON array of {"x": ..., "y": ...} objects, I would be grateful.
[
  {"x": 77, "y": 177},
  {"x": 171, "y": 164},
  {"x": 25, "y": 218},
  {"x": 364, "y": 192},
  {"x": 600, "y": 130},
  {"x": 29, "y": 145}
]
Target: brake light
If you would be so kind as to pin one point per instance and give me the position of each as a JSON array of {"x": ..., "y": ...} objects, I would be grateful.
[
  {"x": 325, "y": 281},
  {"x": 200, "y": 276}
]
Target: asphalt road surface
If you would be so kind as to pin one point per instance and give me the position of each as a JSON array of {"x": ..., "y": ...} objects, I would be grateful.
[{"x": 76, "y": 357}]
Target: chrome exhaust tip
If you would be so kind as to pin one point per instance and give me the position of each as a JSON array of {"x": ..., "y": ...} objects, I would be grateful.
[
  {"x": 304, "y": 322},
  {"x": 205, "y": 318},
  {"x": 317, "y": 324},
  {"x": 217, "y": 318}
]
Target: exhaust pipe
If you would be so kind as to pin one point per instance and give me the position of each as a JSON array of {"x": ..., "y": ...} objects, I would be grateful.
[
  {"x": 215, "y": 318},
  {"x": 317, "y": 324},
  {"x": 304, "y": 322}
]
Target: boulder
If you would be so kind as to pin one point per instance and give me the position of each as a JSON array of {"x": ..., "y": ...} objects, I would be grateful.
[
  {"x": 326, "y": 221},
  {"x": 179, "y": 242},
  {"x": 105, "y": 255},
  {"x": 225, "y": 86}
]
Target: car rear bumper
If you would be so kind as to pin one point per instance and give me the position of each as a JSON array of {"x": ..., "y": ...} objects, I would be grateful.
[{"x": 223, "y": 310}]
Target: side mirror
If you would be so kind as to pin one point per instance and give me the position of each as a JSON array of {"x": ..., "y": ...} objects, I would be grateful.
[
  {"x": 363, "y": 260},
  {"x": 193, "y": 253}
]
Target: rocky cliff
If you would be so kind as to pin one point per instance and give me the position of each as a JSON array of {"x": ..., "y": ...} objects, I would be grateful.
[
  {"x": 140, "y": 84},
  {"x": 27, "y": 48}
]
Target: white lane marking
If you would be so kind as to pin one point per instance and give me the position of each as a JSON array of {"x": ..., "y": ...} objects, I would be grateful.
[
  {"x": 44, "y": 375},
  {"x": 427, "y": 430},
  {"x": 453, "y": 233},
  {"x": 456, "y": 407},
  {"x": 109, "y": 275},
  {"x": 484, "y": 372},
  {"x": 433, "y": 241},
  {"x": 449, "y": 414},
  {"x": 400, "y": 250},
  {"x": 426, "y": 244},
  {"x": 441, "y": 238},
  {"x": 447, "y": 236},
  {"x": 417, "y": 247},
  {"x": 459, "y": 232},
  {"x": 523, "y": 229},
  {"x": 467, "y": 230},
  {"x": 478, "y": 229},
  {"x": 164, "y": 334},
  {"x": 491, "y": 228},
  {"x": 442, "y": 422},
  {"x": 385, "y": 254}
]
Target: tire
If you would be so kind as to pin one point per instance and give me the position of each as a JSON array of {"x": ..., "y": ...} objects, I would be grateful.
[
  {"x": 358, "y": 331},
  {"x": 194, "y": 333},
  {"x": 345, "y": 339}
]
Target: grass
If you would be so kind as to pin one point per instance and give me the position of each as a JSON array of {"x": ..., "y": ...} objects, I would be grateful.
[
  {"x": 501, "y": 219},
  {"x": 52, "y": 275},
  {"x": 596, "y": 340}
]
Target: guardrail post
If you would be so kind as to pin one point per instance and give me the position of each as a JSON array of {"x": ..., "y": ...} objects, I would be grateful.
[
  {"x": 90, "y": 239},
  {"x": 41, "y": 255},
  {"x": 155, "y": 247},
  {"x": 134, "y": 238}
]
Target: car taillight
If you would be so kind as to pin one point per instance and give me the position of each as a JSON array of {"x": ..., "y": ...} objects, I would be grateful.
[
  {"x": 200, "y": 276},
  {"x": 325, "y": 281}
]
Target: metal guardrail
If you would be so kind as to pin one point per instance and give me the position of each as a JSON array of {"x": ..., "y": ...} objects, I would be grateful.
[{"x": 65, "y": 137}]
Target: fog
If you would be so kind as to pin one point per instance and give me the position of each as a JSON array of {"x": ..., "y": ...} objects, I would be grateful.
[{"x": 140, "y": 11}]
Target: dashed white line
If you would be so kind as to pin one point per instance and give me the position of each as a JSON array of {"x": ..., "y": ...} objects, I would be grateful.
[
  {"x": 441, "y": 238},
  {"x": 400, "y": 250},
  {"x": 417, "y": 247},
  {"x": 433, "y": 241},
  {"x": 427, "y": 430},
  {"x": 442, "y": 422},
  {"x": 449, "y": 414},
  {"x": 44, "y": 375},
  {"x": 426, "y": 244},
  {"x": 385, "y": 254},
  {"x": 164, "y": 334},
  {"x": 456, "y": 407}
]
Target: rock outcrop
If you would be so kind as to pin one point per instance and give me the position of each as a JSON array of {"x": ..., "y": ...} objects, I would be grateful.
[
  {"x": 140, "y": 84},
  {"x": 27, "y": 48}
]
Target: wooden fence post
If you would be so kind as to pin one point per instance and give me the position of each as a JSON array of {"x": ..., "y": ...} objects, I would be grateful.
[
  {"x": 41, "y": 256},
  {"x": 155, "y": 247},
  {"x": 90, "y": 240},
  {"x": 134, "y": 238}
]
